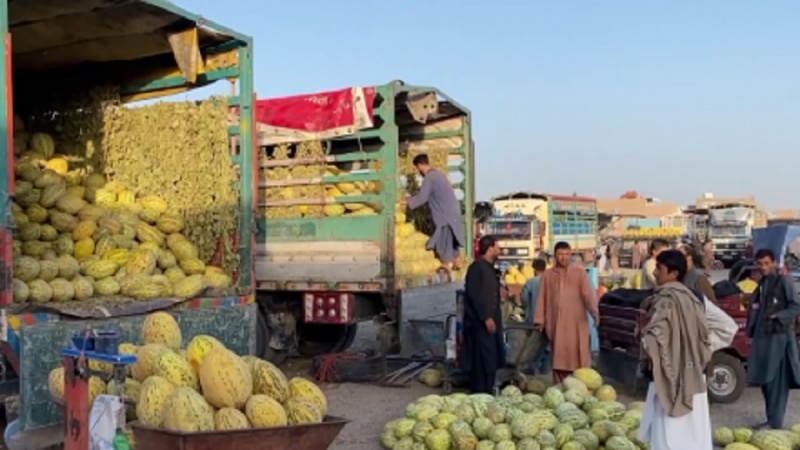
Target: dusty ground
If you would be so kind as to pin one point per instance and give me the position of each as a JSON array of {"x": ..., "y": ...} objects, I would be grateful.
[{"x": 369, "y": 407}]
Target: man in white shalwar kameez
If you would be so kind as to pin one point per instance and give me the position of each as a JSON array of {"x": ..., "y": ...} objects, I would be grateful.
[{"x": 676, "y": 414}]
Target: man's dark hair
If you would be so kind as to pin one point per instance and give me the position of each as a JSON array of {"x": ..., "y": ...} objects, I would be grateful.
[
  {"x": 485, "y": 243},
  {"x": 562, "y": 245},
  {"x": 539, "y": 265},
  {"x": 674, "y": 261},
  {"x": 765, "y": 253},
  {"x": 695, "y": 254},
  {"x": 420, "y": 160},
  {"x": 657, "y": 244}
]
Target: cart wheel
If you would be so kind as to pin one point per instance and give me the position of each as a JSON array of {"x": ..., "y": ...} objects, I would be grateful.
[
  {"x": 728, "y": 378},
  {"x": 447, "y": 388}
]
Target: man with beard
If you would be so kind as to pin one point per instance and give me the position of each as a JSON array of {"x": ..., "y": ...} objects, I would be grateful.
[
  {"x": 565, "y": 296},
  {"x": 773, "y": 363},
  {"x": 484, "y": 350}
]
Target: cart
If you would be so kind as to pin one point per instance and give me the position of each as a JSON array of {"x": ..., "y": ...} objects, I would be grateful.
[
  {"x": 318, "y": 436},
  {"x": 524, "y": 343}
]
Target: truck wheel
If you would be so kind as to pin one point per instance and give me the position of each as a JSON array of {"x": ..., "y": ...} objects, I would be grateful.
[
  {"x": 320, "y": 339},
  {"x": 728, "y": 378},
  {"x": 263, "y": 335},
  {"x": 352, "y": 332}
]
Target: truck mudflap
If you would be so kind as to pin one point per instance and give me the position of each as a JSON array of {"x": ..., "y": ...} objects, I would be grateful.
[{"x": 38, "y": 337}]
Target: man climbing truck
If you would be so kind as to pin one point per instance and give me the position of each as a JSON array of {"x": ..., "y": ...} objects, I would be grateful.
[{"x": 333, "y": 247}]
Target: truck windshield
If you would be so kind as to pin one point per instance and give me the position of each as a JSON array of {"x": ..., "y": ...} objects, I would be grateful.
[
  {"x": 514, "y": 229},
  {"x": 727, "y": 231}
]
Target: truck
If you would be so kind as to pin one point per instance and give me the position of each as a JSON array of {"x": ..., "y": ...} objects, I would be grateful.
[
  {"x": 143, "y": 49},
  {"x": 333, "y": 166},
  {"x": 528, "y": 224},
  {"x": 730, "y": 230}
]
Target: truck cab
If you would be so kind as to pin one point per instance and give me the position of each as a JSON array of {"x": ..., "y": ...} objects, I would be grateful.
[
  {"x": 730, "y": 230},
  {"x": 518, "y": 237}
]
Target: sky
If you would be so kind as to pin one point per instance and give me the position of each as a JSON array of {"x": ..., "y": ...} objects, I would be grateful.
[{"x": 672, "y": 99}]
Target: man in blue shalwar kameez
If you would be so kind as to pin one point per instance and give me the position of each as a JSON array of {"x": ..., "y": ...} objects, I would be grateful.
[{"x": 436, "y": 191}]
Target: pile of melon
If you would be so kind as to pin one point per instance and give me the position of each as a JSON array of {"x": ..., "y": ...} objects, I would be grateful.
[
  {"x": 79, "y": 236},
  {"x": 203, "y": 387}
]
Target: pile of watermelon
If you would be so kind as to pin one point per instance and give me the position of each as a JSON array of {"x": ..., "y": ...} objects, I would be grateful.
[
  {"x": 741, "y": 438},
  {"x": 582, "y": 413}
]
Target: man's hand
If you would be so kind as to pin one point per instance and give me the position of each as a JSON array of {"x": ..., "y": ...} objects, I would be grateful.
[
  {"x": 491, "y": 326},
  {"x": 596, "y": 318}
]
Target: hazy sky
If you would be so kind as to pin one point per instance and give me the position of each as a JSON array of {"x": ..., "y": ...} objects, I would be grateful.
[{"x": 596, "y": 96}]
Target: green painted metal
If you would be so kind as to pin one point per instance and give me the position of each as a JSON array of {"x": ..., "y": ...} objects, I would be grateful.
[
  {"x": 247, "y": 172},
  {"x": 379, "y": 228},
  {"x": 200, "y": 20},
  {"x": 203, "y": 79},
  {"x": 6, "y": 152},
  {"x": 571, "y": 222},
  {"x": 344, "y": 228}
]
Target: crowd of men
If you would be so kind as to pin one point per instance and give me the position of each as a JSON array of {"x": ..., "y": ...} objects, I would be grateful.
[
  {"x": 684, "y": 324},
  {"x": 684, "y": 328}
]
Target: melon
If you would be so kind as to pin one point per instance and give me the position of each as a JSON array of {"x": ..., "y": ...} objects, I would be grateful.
[
  {"x": 147, "y": 357},
  {"x": 263, "y": 411},
  {"x": 269, "y": 380},
  {"x": 187, "y": 411},
  {"x": 225, "y": 379},
  {"x": 172, "y": 367},
  {"x": 153, "y": 396},
  {"x": 300, "y": 411},
  {"x": 230, "y": 419},
  {"x": 199, "y": 346},
  {"x": 161, "y": 328},
  {"x": 305, "y": 389}
]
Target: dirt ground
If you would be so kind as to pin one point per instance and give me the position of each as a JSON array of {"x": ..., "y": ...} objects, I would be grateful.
[{"x": 369, "y": 407}]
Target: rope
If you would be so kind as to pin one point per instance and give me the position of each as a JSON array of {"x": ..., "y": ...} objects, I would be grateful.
[{"x": 326, "y": 372}]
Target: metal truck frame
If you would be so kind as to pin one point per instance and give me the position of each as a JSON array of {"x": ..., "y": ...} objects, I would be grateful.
[
  {"x": 137, "y": 51},
  {"x": 551, "y": 218},
  {"x": 728, "y": 248},
  {"x": 317, "y": 277}
]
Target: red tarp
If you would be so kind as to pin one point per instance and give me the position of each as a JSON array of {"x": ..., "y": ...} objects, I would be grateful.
[{"x": 315, "y": 116}]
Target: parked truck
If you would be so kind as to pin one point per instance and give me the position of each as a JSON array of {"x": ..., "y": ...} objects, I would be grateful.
[
  {"x": 528, "y": 224},
  {"x": 332, "y": 245},
  {"x": 730, "y": 230},
  {"x": 140, "y": 49}
]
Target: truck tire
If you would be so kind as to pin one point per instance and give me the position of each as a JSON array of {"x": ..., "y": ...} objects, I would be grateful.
[
  {"x": 728, "y": 378},
  {"x": 352, "y": 332},
  {"x": 263, "y": 350},
  {"x": 320, "y": 339}
]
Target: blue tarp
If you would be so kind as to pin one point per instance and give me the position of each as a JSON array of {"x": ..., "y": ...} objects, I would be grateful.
[
  {"x": 777, "y": 238},
  {"x": 594, "y": 278}
]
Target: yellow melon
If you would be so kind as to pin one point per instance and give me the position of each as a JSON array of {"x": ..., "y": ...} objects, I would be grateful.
[
  {"x": 225, "y": 379},
  {"x": 263, "y": 411},
  {"x": 161, "y": 328}
]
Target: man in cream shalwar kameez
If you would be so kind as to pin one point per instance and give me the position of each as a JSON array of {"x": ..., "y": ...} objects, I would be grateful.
[{"x": 676, "y": 345}]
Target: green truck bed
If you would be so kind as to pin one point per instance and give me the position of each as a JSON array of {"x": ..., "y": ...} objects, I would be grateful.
[
  {"x": 352, "y": 252},
  {"x": 75, "y": 47}
]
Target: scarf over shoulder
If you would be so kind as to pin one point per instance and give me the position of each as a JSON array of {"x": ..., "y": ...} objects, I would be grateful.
[{"x": 676, "y": 341}]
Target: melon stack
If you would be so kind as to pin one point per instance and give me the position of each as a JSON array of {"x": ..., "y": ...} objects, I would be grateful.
[
  {"x": 582, "y": 413},
  {"x": 79, "y": 236},
  {"x": 205, "y": 386},
  {"x": 411, "y": 257}
]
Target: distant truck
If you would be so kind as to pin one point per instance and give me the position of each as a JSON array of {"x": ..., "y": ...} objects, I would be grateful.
[
  {"x": 730, "y": 230},
  {"x": 528, "y": 224}
]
